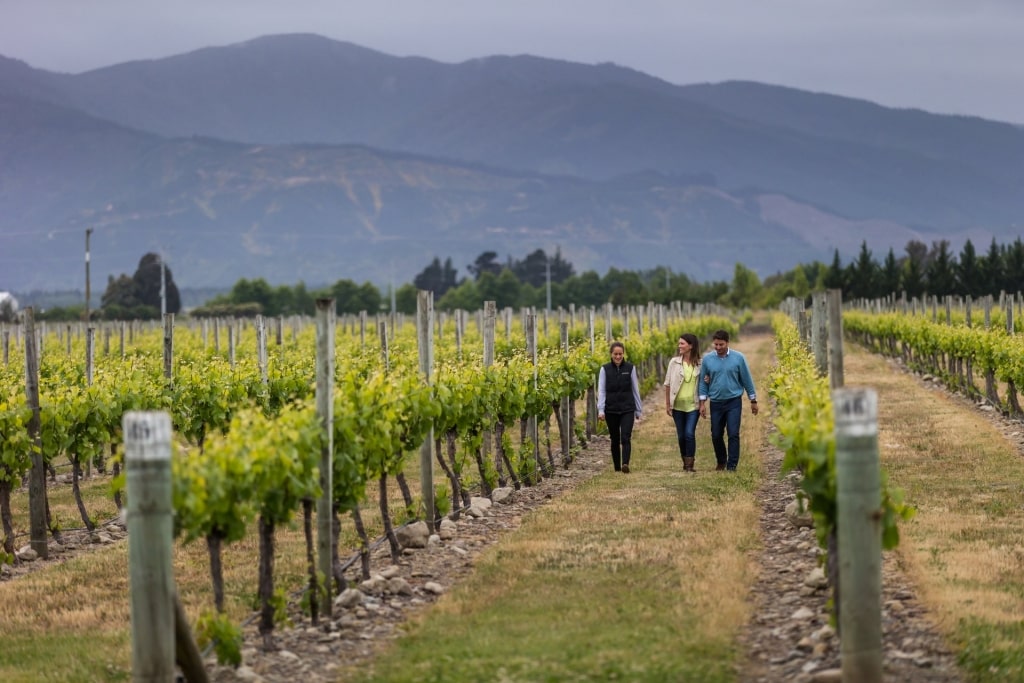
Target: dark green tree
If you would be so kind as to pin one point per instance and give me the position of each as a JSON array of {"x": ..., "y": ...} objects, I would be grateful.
[
  {"x": 889, "y": 276},
  {"x": 256, "y": 291},
  {"x": 139, "y": 295},
  {"x": 864, "y": 275},
  {"x": 437, "y": 278},
  {"x": 466, "y": 296},
  {"x": 969, "y": 276},
  {"x": 533, "y": 269},
  {"x": 352, "y": 298},
  {"x": 121, "y": 292},
  {"x": 585, "y": 289},
  {"x": 405, "y": 299},
  {"x": 992, "y": 269},
  {"x": 1013, "y": 264},
  {"x": 503, "y": 290},
  {"x": 835, "y": 276},
  {"x": 914, "y": 262},
  {"x": 940, "y": 273},
  {"x": 624, "y": 287},
  {"x": 485, "y": 263},
  {"x": 148, "y": 278}
]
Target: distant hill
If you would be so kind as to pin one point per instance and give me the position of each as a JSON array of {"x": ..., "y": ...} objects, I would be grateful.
[{"x": 296, "y": 156}]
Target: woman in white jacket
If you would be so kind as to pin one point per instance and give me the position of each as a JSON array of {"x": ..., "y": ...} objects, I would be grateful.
[{"x": 682, "y": 391}]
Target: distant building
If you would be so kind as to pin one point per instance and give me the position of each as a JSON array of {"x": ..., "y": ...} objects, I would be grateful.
[{"x": 7, "y": 299}]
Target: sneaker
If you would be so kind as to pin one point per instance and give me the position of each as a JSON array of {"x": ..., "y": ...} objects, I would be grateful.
[{"x": 625, "y": 469}]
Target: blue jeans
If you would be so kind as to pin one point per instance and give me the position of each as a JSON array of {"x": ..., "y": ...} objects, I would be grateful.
[
  {"x": 686, "y": 431},
  {"x": 725, "y": 417}
]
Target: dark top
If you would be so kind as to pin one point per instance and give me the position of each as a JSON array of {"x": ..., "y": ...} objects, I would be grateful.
[{"x": 618, "y": 388}]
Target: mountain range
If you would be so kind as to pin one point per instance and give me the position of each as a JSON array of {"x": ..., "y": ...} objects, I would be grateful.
[{"x": 296, "y": 157}]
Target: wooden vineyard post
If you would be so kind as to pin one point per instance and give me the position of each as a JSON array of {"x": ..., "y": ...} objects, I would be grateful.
[
  {"x": 859, "y": 532},
  {"x": 325, "y": 411},
  {"x": 168, "y": 345},
  {"x": 819, "y": 335},
  {"x": 490, "y": 313},
  {"x": 147, "y": 440},
  {"x": 530, "y": 328},
  {"x": 835, "y": 338},
  {"x": 37, "y": 473},
  {"x": 566, "y": 435},
  {"x": 592, "y": 388},
  {"x": 425, "y": 343}
]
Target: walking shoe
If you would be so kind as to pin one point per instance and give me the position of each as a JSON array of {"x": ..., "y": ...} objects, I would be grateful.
[
  {"x": 625, "y": 468},
  {"x": 719, "y": 467}
]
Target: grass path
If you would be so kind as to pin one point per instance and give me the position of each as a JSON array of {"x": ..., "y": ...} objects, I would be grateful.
[
  {"x": 965, "y": 548},
  {"x": 638, "y": 577}
]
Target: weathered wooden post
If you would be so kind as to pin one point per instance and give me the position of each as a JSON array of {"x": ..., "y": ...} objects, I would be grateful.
[
  {"x": 819, "y": 334},
  {"x": 835, "y": 338},
  {"x": 425, "y": 343},
  {"x": 859, "y": 533},
  {"x": 168, "y": 345},
  {"x": 566, "y": 435},
  {"x": 37, "y": 473},
  {"x": 592, "y": 388},
  {"x": 490, "y": 313},
  {"x": 325, "y": 411},
  {"x": 530, "y": 329},
  {"x": 147, "y": 441}
]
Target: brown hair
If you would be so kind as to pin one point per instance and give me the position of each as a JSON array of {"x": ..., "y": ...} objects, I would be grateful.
[{"x": 694, "y": 343}]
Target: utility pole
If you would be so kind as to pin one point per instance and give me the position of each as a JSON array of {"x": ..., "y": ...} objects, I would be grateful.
[
  {"x": 163, "y": 287},
  {"x": 88, "y": 291},
  {"x": 548, "y": 265}
]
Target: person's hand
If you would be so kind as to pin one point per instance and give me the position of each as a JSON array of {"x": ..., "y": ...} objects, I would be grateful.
[
  {"x": 600, "y": 416},
  {"x": 668, "y": 411},
  {"x": 753, "y": 407}
]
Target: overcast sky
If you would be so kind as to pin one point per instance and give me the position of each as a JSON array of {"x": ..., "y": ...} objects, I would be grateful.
[{"x": 945, "y": 56}]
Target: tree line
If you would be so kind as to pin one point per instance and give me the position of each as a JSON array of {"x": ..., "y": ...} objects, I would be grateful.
[
  {"x": 935, "y": 271},
  {"x": 530, "y": 281}
]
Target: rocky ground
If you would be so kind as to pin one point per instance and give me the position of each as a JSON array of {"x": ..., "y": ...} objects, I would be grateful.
[{"x": 788, "y": 639}]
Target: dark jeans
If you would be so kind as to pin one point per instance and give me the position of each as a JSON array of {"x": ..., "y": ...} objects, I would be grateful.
[
  {"x": 686, "y": 431},
  {"x": 725, "y": 417},
  {"x": 620, "y": 428}
]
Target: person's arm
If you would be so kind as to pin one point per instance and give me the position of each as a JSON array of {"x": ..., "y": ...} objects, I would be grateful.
[
  {"x": 600, "y": 394},
  {"x": 703, "y": 385},
  {"x": 748, "y": 383},
  {"x": 668, "y": 388},
  {"x": 636, "y": 393}
]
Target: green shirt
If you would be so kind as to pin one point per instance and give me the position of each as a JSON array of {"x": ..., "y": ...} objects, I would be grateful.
[{"x": 687, "y": 389}]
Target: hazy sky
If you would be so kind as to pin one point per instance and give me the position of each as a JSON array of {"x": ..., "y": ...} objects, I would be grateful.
[{"x": 946, "y": 56}]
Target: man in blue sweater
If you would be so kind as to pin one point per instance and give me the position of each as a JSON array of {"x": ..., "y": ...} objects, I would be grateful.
[{"x": 725, "y": 377}]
